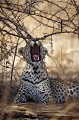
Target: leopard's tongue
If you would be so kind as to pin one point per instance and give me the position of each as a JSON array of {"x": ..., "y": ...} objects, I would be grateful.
[{"x": 36, "y": 57}]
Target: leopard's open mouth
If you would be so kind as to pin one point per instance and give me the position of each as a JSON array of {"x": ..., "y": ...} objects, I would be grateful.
[{"x": 35, "y": 53}]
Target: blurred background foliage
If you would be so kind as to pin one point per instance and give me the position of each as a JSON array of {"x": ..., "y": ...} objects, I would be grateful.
[{"x": 54, "y": 23}]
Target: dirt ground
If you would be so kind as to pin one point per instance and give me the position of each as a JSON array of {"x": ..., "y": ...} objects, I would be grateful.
[{"x": 31, "y": 111}]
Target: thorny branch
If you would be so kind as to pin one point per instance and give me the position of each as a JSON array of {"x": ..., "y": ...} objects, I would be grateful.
[
  {"x": 12, "y": 16},
  {"x": 55, "y": 16}
]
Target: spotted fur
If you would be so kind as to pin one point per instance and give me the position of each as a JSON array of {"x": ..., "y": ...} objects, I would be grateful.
[
  {"x": 35, "y": 84},
  {"x": 58, "y": 91},
  {"x": 63, "y": 92},
  {"x": 73, "y": 89}
]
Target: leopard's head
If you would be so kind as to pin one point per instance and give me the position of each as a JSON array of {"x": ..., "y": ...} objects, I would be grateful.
[{"x": 33, "y": 52}]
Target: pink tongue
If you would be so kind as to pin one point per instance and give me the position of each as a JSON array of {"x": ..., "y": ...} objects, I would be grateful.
[{"x": 35, "y": 57}]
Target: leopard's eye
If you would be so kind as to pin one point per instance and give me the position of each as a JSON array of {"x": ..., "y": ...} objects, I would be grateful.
[
  {"x": 37, "y": 42},
  {"x": 32, "y": 43}
]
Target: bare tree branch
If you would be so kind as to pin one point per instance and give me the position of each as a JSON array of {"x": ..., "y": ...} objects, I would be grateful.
[
  {"x": 31, "y": 8},
  {"x": 51, "y": 17}
]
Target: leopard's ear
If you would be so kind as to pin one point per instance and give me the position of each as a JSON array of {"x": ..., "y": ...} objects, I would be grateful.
[{"x": 20, "y": 51}]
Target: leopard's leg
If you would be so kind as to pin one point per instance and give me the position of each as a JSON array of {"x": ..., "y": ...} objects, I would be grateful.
[
  {"x": 43, "y": 94},
  {"x": 21, "y": 97}
]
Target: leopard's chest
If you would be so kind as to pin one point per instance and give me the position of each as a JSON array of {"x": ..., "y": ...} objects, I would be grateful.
[
  {"x": 36, "y": 81},
  {"x": 35, "y": 74}
]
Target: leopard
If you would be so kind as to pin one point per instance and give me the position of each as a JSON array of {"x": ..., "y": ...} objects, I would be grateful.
[{"x": 36, "y": 85}]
